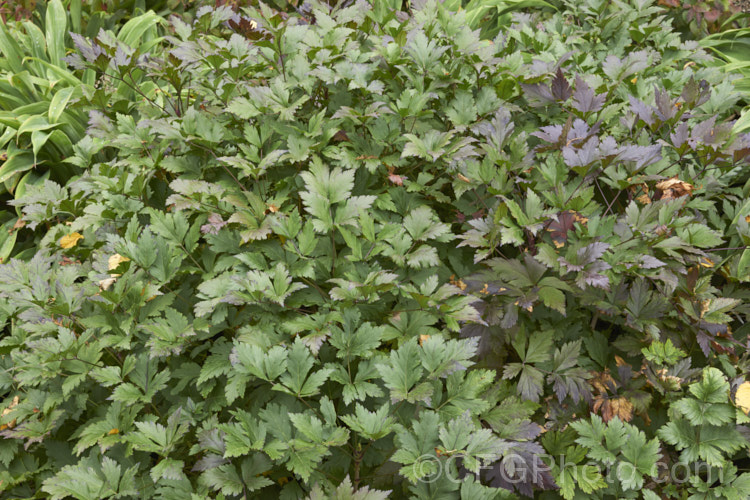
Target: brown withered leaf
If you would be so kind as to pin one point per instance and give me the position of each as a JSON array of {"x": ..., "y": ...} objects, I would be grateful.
[
  {"x": 606, "y": 404},
  {"x": 602, "y": 381},
  {"x": 672, "y": 188},
  {"x": 610, "y": 408},
  {"x": 644, "y": 198}
]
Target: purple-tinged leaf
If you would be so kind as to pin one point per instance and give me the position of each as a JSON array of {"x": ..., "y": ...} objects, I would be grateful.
[
  {"x": 584, "y": 98},
  {"x": 537, "y": 94},
  {"x": 701, "y": 132},
  {"x": 642, "y": 110},
  {"x": 583, "y": 156},
  {"x": 680, "y": 135},
  {"x": 560, "y": 87},
  {"x": 592, "y": 252},
  {"x": 521, "y": 470},
  {"x": 651, "y": 262},
  {"x": 608, "y": 148},
  {"x": 123, "y": 56},
  {"x": 568, "y": 266},
  {"x": 704, "y": 341},
  {"x": 593, "y": 279},
  {"x": 90, "y": 52},
  {"x": 643, "y": 156},
  {"x": 665, "y": 109},
  {"x": 581, "y": 129},
  {"x": 550, "y": 133}
]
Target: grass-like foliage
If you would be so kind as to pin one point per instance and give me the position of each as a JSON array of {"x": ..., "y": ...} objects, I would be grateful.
[{"x": 360, "y": 253}]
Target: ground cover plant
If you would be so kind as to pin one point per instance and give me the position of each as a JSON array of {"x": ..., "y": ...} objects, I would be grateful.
[
  {"x": 356, "y": 252},
  {"x": 40, "y": 118}
]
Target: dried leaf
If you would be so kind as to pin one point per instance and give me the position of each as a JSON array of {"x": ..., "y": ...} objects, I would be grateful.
[
  {"x": 610, "y": 408},
  {"x": 673, "y": 188}
]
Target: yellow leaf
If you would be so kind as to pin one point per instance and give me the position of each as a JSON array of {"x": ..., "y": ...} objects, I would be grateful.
[
  {"x": 742, "y": 398},
  {"x": 114, "y": 431},
  {"x": 115, "y": 261},
  {"x": 423, "y": 338},
  {"x": 70, "y": 240}
]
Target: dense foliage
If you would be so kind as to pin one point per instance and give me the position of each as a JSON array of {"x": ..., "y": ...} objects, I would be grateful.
[{"x": 356, "y": 252}]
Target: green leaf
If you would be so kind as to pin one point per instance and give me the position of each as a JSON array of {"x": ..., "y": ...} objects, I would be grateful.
[
  {"x": 56, "y": 20},
  {"x": 296, "y": 380},
  {"x": 402, "y": 372},
  {"x": 699, "y": 235},
  {"x": 132, "y": 32}
]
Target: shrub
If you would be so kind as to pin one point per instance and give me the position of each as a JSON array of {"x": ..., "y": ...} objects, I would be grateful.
[{"x": 366, "y": 253}]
